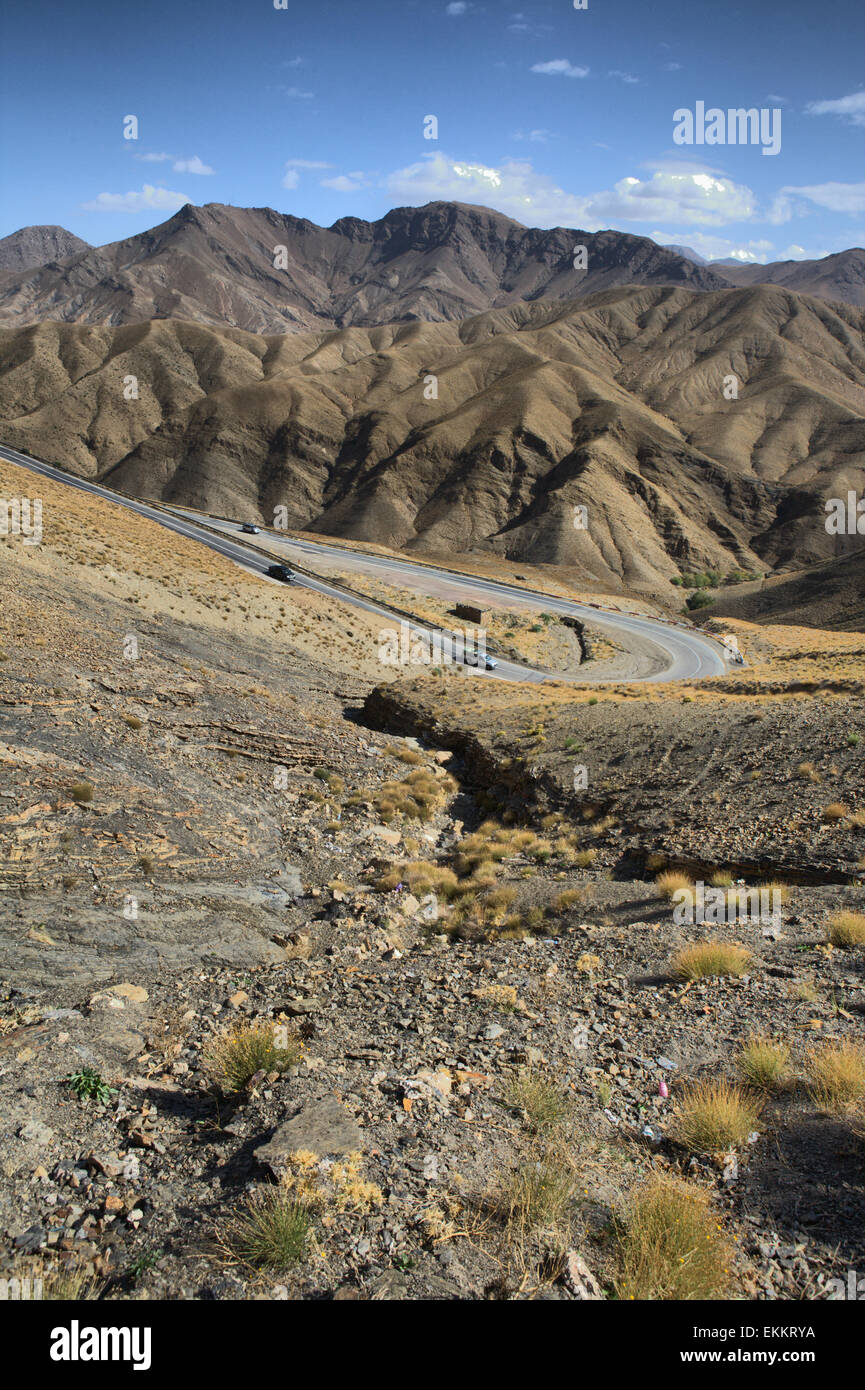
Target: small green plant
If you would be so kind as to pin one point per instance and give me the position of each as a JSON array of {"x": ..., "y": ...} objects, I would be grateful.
[
  {"x": 272, "y": 1232},
  {"x": 87, "y": 1084},
  {"x": 82, "y": 792},
  {"x": 149, "y": 1259}
]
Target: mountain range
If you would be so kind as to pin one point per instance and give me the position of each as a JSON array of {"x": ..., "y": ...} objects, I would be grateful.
[{"x": 269, "y": 272}]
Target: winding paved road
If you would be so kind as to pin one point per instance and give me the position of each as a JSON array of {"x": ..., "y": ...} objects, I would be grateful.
[{"x": 668, "y": 651}]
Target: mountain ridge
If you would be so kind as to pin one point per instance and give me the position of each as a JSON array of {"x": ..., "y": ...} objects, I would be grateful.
[{"x": 615, "y": 400}]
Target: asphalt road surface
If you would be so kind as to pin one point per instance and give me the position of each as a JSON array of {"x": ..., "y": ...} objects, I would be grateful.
[{"x": 662, "y": 651}]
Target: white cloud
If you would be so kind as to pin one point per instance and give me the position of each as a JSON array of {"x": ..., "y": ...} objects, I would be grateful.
[
  {"x": 342, "y": 183},
  {"x": 851, "y": 108},
  {"x": 291, "y": 177},
  {"x": 836, "y": 197},
  {"x": 560, "y": 67},
  {"x": 191, "y": 166},
  {"x": 516, "y": 188},
  {"x": 717, "y": 248},
  {"x": 674, "y": 67},
  {"x": 155, "y": 158},
  {"x": 161, "y": 199},
  {"x": 623, "y": 76},
  {"x": 456, "y": 8},
  {"x": 539, "y": 137},
  {"x": 297, "y": 93}
]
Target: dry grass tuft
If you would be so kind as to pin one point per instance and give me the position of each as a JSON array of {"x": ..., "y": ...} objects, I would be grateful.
[
  {"x": 763, "y": 1063},
  {"x": 232, "y": 1058},
  {"x": 836, "y": 1076},
  {"x": 271, "y": 1232},
  {"x": 846, "y": 929},
  {"x": 670, "y": 883},
  {"x": 672, "y": 1246},
  {"x": 714, "y": 1116},
  {"x": 705, "y": 959},
  {"x": 538, "y": 1194}
]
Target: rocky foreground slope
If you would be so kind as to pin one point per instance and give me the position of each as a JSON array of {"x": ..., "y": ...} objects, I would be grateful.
[{"x": 272, "y": 942}]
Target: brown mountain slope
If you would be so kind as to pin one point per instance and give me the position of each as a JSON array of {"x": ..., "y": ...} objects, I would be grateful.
[
  {"x": 840, "y": 277},
  {"x": 831, "y": 595},
  {"x": 215, "y": 264},
  {"x": 38, "y": 246},
  {"x": 614, "y": 402}
]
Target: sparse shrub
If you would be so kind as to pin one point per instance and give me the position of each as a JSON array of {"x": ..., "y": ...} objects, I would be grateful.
[
  {"x": 587, "y": 963},
  {"x": 780, "y": 891},
  {"x": 500, "y": 997},
  {"x": 704, "y": 959},
  {"x": 714, "y": 1116},
  {"x": 700, "y": 599},
  {"x": 406, "y": 755},
  {"x": 584, "y": 858},
  {"x": 763, "y": 1063},
  {"x": 271, "y": 1232},
  {"x": 722, "y": 879},
  {"x": 339, "y": 1186},
  {"x": 808, "y": 772},
  {"x": 834, "y": 812},
  {"x": 497, "y": 902},
  {"x": 672, "y": 1245},
  {"x": 565, "y": 901},
  {"x": 133, "y": 721},
  {"x": 421, "y": 877},
  {"x": 417, "y": 796},
  {"x": 537, "y": 1098},
  {"x": 836, "y": 1076},
  {"x": 234, "y": 1057},
  {"x": 538, "y": 1193},
  {"x": 82, "y": 792},
  {"x": 846, "y": 929}
]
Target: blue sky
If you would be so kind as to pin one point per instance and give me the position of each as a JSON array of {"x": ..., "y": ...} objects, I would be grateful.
[{"x": 555, "y": 116}]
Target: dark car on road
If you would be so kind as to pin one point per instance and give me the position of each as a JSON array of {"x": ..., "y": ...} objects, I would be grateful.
[
  {"x": 249, "y": 530},
  {"x": 280, "y": 572}
]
